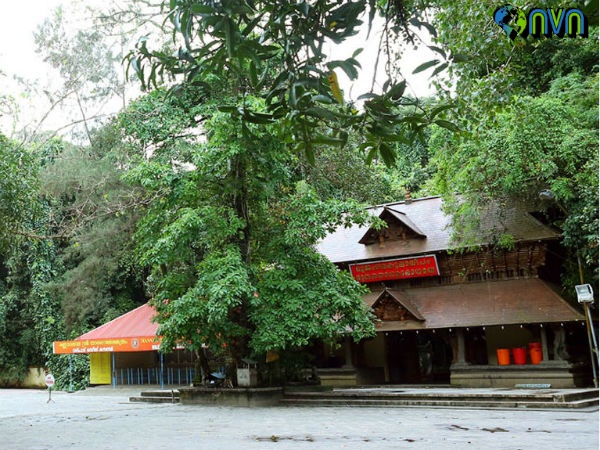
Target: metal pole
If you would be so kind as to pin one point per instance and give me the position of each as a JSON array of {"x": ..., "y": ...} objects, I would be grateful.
[
  {"x": 70, "y": 373},
  {"x": 114, "y": 371},
  {"x": 162, "y": 366},
  {"x": 592, "y": 342},
  {"x": 590, "y": 330}
]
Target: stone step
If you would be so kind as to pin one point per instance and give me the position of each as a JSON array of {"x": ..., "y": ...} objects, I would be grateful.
[
  {"x": 162, "y": 393},
  {"x": 453, "y": 398},
  {"x": 161, "y": 396},
  {"x": 439, "y": 403},
  {"x": 543, "y": 398},
  {"x": 146, "y": 399}
]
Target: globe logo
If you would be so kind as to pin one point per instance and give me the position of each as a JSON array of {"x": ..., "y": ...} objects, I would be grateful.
[{"x": 511, "y": 19}]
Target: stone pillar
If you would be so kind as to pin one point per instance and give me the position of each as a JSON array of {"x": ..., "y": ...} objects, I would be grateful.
[
  {"x": 544, "y": 341},
  {"x": 460, "y": 347},
  {"x": 347, "y": 354},
  {"x": 386, "y": 363}
]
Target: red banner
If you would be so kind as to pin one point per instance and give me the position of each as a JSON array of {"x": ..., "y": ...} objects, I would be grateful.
[
  {"x": 395, "y": 269},
  {"x": 136, "y": 344}
]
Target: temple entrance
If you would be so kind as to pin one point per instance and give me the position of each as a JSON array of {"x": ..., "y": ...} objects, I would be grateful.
[{"x": 417, "y": 357}]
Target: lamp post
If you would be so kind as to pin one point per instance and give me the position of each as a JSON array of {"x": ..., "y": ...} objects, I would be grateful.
[{"x": 585, "y": 296}]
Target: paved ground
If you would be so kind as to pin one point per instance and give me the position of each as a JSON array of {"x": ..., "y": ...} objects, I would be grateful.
[{"x": 104, "y": 419}]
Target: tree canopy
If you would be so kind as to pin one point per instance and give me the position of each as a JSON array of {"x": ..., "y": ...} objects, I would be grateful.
[
  {"x": 529, "y": 118},
  {"x": 230, "y": 236},
  {"x": 278, "y": 52},
  {"x": 208, "y": 192}
]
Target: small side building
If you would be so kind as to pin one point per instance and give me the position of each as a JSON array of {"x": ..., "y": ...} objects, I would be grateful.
[
  {"x": 126, "y": 351},
  {"x": 451, "y": 315}
]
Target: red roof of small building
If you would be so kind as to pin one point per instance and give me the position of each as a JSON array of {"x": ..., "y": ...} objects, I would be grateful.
[{"x": 135, "y": 323}]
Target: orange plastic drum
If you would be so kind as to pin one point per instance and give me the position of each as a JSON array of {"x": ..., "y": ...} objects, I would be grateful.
[
  {"x": 535, "y": 353},
  {"x": 503, "y": 356}
]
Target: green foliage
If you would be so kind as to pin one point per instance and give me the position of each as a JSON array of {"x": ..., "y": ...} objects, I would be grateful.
[
  {"x": 18, "y": 190},
  {"x": 30, "y": 317},
  {"x": 302, "y": 297},
  {"x": 528, "y": 109},
  {"x": 71, "y": 373},
  {"x": 67, "y": 263},
  {"x": 95, "y": 213},
  {"x": 230, "y": 227},
  {"x": 536, "y": 143},
  {"x": 486, "y": 68},
  {"x": 277, "y": 51}
]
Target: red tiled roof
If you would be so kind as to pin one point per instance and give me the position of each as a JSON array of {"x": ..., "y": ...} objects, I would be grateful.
[{"x": 135, "y": 323}]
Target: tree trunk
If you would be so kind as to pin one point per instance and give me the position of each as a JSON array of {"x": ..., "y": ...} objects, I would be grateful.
[{"x": 202, "y": 367}]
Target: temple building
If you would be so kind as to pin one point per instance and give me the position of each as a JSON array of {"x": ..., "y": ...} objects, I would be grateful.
[{"x": 478, "y": 316}]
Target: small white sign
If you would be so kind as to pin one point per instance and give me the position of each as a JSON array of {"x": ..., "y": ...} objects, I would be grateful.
[
  {"x": 585, "y": 293},
  {"x": 49, "y": 380}
]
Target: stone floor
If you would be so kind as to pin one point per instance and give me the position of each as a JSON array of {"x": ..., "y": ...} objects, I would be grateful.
[{"x": 98, "y": 419}]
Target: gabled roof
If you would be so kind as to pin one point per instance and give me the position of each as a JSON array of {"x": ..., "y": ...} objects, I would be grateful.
[
  {"x": 134, "y": 331},
  {"x": 135, "y": 323},
  {"x": 427, "y": 216},
  {"x": 391, "y": 216},
  {"x": 401, "y": 299},
  {"x": 509, "y": 302},
  {"x": 404, "y": 219}
]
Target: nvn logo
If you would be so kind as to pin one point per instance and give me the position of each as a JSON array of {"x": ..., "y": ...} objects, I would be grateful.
[{"x": 539, "y": 22}]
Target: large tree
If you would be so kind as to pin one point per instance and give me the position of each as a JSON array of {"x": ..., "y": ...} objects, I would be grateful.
[
  {"x": 230, "y": 235},
  {"x": 253, "y": 98}
]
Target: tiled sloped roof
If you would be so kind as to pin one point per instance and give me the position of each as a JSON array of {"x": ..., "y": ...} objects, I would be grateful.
[
  {"x": 342, "y": 246},
  {"x": 135, "y": 323},
  {"x": 491, "y": 303}
]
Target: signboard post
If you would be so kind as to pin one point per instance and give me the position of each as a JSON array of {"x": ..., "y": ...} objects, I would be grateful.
[{"x": 50, "y": 383}]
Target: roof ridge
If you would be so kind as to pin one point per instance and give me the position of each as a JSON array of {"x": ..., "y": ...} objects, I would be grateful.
[{"x": 404, "y": 202}]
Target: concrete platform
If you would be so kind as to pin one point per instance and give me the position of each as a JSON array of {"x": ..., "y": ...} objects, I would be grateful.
[
  {"x": 445, "y": 396},
  {"x": 449, "y": 397}
]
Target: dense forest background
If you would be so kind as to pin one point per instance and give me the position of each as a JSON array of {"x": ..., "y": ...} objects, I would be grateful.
[{"x": 241, "y": 152}]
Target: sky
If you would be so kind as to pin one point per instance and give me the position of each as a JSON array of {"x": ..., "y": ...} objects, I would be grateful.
[
  {"x": 16, "y": 31},
  {"x": 18, "y": 58}
]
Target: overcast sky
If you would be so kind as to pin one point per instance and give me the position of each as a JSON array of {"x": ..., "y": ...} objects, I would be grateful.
[{"x": 17, "y": 23}]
